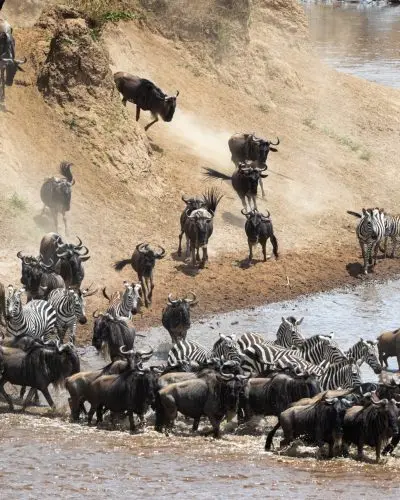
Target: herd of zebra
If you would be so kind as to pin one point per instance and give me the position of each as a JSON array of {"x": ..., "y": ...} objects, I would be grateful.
[{"x": 374, "y": 228}]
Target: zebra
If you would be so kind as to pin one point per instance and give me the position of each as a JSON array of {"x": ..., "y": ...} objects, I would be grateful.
[
  {"x": 127, "y": 305},
  {"x": 248, "y": 339},
  {"x": 392, "y": 231},
  {"x": 320, "y": 350},
  {"x": 344, "y": 375},
  {"x": 69, "y": 305},
  {"x": 365, "y": 351},
  {"x": 370, "y": 231},
  {"x": 226, "y": 348},
  {"x": 187, "y": 350},
  {"x": 37, "y": 318},
  {"x": 288, "y": 334},
  {"x": 261, "y": 357}
]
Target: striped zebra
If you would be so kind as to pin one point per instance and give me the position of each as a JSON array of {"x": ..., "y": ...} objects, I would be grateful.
[
  {"x": 226, "y": 348},
  {"x": 123, "y": 307},
  {"x": 260, "y": 358},
  {"x": 248, "y": 339},
  {"x": 370, "y": 231},
  {"x": 69, "y": 305},
  {"x": 187, "y": 350},
  {"x": 392, "y": 231},
  {"x": 365, "y": 351},
  {"x": 37, "y": 318},
  {"x": 288, "y": 334},
  {"x": 344, "y": 375}
]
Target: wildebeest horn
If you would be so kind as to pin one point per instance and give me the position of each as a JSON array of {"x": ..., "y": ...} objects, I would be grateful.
[
  {"x": 20, "y": 61},
  {"x": 246, "y": 214},
  {"x": 226, "y": 376},
  {"x": 160, "y": 253},
  {"x": 244, "y": 377},
  {"x": 88, "y": 292},
  {"x": 267, "y": 216},
  {"x": 275, "y": 143},
  {"x": 145, "y": 354},
  {"x": 79, "y": 245},
  {"x": 78, "y": 250},
  {"x": 96, "y": 314},
  {"x": 125, "y": 353},
  {"x": 261, "y": 169},
  {"x": 192, "y": 301},
  {"x": 142, "y": 247},
  {"x": 185, "y": 199},
  {"x": 299, "y": 321},
  {"x": 20, "y": 256},
  {"x": 172, "y": 302},
  {"x": 177, "y": 93}
]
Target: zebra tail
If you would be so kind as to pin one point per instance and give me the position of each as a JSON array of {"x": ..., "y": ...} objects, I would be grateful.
[
  {"x": 120, "y": 264},
  {"x": 355, "y": 214}
]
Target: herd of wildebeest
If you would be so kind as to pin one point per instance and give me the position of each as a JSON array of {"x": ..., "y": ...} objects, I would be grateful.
[{"x": 312, "y": 386}]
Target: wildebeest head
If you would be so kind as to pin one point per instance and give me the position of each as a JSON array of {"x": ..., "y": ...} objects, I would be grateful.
[
  {"x": 203, "y": 220},
  {"x": 251, "y": 173},
  {"x": 168, "y": 107},
  {"x": 149, "y": 257},
  {"x": 73, "y": 256},
  {"x": 111, "y": 333},
  {"x": 192, "y": 204},
  {"x": 336, "y": 410},
  {"x": 68, "y": 362},
  {"x": 255, "y": 218},
  {"x": 31, "y": 271},
  {"x": 232, "y": 385}
]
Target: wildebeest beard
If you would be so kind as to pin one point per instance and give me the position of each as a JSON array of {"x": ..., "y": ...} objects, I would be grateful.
[
  {"x": 111, "y": 334},
  {"x": 169, "y": 109},
  {"x": 202, "y": 231},
  {"x": 62, "y": 194}
]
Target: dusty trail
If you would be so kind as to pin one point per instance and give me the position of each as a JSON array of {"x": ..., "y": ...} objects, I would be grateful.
[{"x": 328, "y": 123}]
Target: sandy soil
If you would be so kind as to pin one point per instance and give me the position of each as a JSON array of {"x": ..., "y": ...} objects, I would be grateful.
[{"x": 339, "y": 150}]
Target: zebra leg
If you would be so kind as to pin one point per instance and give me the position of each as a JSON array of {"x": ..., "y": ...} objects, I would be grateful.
[
  {"x": 365, "y": 257},
  {"x": 394, "y": 243},
  {"x": 376, "y": 248}
]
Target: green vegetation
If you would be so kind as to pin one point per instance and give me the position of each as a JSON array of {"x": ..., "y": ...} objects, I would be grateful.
[
  {"x": 16, "y": 203},
  {"x": 101, "y": 12}
]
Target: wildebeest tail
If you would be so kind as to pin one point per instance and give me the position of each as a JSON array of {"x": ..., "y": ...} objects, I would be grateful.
[
  {"x": 210, "y": 172},
  {"x": 355, "y": 214},
  {"x": 274, "y": 242},
  {"x": 211, "y": 199},
  {"x": 120, "y": 264},
  {"x": 65, "y": 170}
]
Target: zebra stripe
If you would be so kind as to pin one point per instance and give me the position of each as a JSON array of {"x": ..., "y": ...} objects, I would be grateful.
[
  {"x": 123, "y": 307},
  {"x": 370, "y": 231},
  {"x": 69, "y": 306},
  {"x": 365, "y": 352},
  {"x": 226, "y": 348},
  {"x": 187, "y": 350},
  {"x": 288, "y": 334},
  {"x": 37, "y": 318},
  {"x": 344, "y": 375},
  {"x": 248, "y": 339},
  {"x": 392, "y": 231}
]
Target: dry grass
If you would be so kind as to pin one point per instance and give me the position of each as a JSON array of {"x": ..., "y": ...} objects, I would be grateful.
[{"x": 103, "y": 11}]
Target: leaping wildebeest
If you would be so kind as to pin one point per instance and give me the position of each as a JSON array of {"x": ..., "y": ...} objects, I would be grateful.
[
  {"x": 259, "y": 229},
  {"x": 55, "y": 194},
  {"x": 143, "y": 261},
  {"x": 8, "y": 64},
  {"x": 199, "y": 227},
  {"x": 146, "y": 96},
  {"x": 244, "y": 147},
  {"x": 244, "y": 181}
]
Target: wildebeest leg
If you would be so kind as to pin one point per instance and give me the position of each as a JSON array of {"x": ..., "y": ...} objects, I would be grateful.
[
  {"x": 54, "y": 214},
  {"x": 262, "y": 188},
  {"x": 90, "y": 414},
  {"x": 22, "y": 392},
  {"x": 28, "y": 398},
  {"x": 132, "y": 426},
  {"x": 264, "y": 249},
  {"x": 274, "y": 242},
  {"x": 378, "y": 450},
  {"x": 196, "y": 423},
  {"x": 6, "y": 396},
  {"x": 398, "y": 360},
  {"x": 197, "y": 254},
  {"x": 243, "y": 200},
  {"x": 215, "y": 422},
  {"x": 46, "y": 394},
  {"x": 187, "y": 247},
  {"x": 330, "y": 449},
  {"x": 151, "y": 287},
  {"x": 137, "y": 111},
  {"x": 254, "y": 202},
  {"x": 360, "y": 447},
  {"x": 271, "y": 434},
  {"x": 151, "y": 123},
  {"x": 205, "y": 257},
  {"x": 145, "y": 291},
  {"x": 3, "y": 81},
  {"x": 180, "y": 244},
  {"x": 193, "y": 252},
  {"x": 250, "y": 250},
  {"x": 392, "y": 445},
  {"x": 65, "y": 223}
]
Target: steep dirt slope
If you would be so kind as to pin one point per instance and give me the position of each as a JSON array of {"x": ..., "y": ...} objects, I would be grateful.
[{"x": 339, "y": 149}]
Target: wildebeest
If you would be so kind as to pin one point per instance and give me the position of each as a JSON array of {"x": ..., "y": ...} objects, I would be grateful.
[
  {"x": 199, "y": 227},
  {"x": 320, "y": 422},
  {"x": 176, "y": 316},
  {"x": 146, "y": 96},
  {"x": 2, "y": 305},
  {"x": 8, "y": 64},
  {"x": 66, "y": 258},
  {"x": 259, "y": 229},
  {"x": 37, "y": 368},
  {"x": 110, "y": 334},
  {"x": 132, "y": 391},
  {"x": 372, "y": 424},
  {"x": 272, "y": 395},
  {"x": 388, "y": 346},
  {"x": 191, "y": 204},
  {"x": 143, "y": 261},
  {"x": 214, "y": 395},
  {"x": 244, "y": 181},
  {"x": 38, "y": 278},
  {"x": 55, "y": 194},
  {"x": 245, "y": 147}
]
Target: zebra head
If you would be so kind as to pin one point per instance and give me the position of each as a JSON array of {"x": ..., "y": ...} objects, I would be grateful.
[
  {"x": 226, "y": 348},
  {"x": 288, "y": 334},
  {"x": 13, "y": 302},
  {"x": 372, "y": 223},
  {"x": 131, "y": 297},
  {"x": 369, "y": 355}
]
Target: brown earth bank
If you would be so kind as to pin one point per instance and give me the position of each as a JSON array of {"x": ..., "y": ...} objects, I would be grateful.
[{"x": 250, "y": 72}]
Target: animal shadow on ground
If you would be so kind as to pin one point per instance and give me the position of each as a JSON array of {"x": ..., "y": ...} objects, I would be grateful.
[
  {"x": 4, "y": 109},
  {"x": 246, "y": 263},
  {"x": 43, "y": 222},
  {"x": 355, "y": 269},
  {"x": 233, "y": 219},
  {"x": 175, "y": 256},
  {"x": 188, "y": 269}
]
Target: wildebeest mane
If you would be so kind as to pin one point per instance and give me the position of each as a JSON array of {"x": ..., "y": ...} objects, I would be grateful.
[
  {"x": 114, "y": 334},
  {"x": 211, "y": 198},
  {"x": 65, "y": 170}
]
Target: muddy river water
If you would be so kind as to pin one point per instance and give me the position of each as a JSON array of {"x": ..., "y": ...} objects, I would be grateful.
[{"x": 43, "y": 455}]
